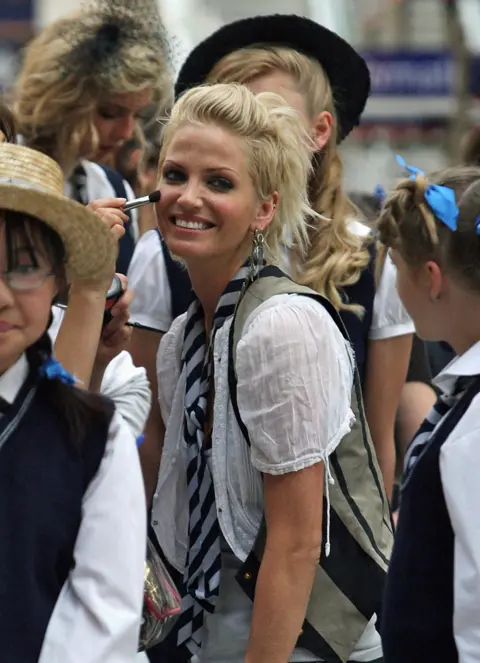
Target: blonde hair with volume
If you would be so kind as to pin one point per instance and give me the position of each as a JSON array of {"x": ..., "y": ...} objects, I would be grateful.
[
  {"x": 336, "y": 256},
  {"x": 273, "y": 135},
  {"x": 408, "y": 224},
  {"x": 55, "y": 108}
]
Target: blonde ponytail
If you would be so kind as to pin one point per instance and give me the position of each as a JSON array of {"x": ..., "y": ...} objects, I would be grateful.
[{"x": 336, "y": 257}]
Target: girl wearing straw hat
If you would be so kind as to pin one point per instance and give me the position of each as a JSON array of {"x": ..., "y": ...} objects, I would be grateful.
[
  {"x": 328, "y": 82},
  {"x": 71, "y": 492},
  {"x": 94, "y": 354}
]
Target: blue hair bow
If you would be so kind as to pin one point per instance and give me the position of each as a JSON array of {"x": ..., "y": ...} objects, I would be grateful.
[
  {"x": 53, "y": 370},
  {"x": 380, "y": 193},
  {"x": 440, "y": 199}
]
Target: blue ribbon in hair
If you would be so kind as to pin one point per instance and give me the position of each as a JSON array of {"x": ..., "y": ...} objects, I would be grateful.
[
  {"x": 440, "y": 199},
  {"x": 380, "y": 193},
  {"x": 53, "y": 370}
]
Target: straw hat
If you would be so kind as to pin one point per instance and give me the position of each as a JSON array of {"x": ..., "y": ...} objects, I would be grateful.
[{"x": 33, "y": 184}]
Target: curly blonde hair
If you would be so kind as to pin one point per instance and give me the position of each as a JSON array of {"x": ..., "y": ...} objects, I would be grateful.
[
  {"x": 336, "y": 256},
  {"x": 408, "y": 225},
  {"x": 55, "y": 106},
  {"x": 273, "y": 134}
]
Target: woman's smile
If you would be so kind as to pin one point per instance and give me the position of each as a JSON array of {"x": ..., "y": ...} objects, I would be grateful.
[{"x": 191, "y": 223}]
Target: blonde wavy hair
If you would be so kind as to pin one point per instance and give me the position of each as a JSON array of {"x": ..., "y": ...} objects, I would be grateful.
[
  {"x": 55, "y": 107},
  {"x": 336, "y": 256},
  {"x": 273, "y": 135},
  {"x": 408, "y": 225}
]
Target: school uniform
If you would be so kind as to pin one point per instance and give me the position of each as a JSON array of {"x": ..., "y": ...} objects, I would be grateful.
[
  {"x": 431, "y": 608},
  {"x": 72, "y": 548},
  {"x": 157, "y": 296}
]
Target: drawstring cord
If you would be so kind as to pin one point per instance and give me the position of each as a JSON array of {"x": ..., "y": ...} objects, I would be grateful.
[{"x": 328, "y": 483}]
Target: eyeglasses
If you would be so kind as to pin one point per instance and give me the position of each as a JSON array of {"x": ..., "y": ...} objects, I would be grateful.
[{"x": 26, "y": 278}]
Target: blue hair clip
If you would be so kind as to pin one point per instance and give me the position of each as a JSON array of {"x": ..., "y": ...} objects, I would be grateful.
[
  {"x": 440, "y": 199},
  {"x": 380, "y": 193},
  {"x": 477, "y": 225},
  {"x": 53, "y": 370}
]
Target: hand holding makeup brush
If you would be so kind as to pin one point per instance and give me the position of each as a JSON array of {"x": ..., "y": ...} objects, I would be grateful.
[{"x": 111, "y": 211}]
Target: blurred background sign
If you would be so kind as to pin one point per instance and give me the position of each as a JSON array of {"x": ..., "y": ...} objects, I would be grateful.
[{"x": 411, "y": 73}]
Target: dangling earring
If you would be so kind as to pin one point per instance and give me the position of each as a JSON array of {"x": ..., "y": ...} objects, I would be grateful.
[{"x": 257, "y": 256}]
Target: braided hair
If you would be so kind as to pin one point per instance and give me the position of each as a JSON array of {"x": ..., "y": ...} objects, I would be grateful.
[{"x": 408, "y": 225}]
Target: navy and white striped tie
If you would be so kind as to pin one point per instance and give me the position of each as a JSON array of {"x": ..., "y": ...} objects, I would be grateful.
[
  {"x": 440, "y": 409},
  {"x": 203, "y": 564}
]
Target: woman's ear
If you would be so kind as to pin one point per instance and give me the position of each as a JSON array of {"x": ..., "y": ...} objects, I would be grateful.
[
  {"x": 265, "y": 212},
  {"x": 322, "y": 129}
]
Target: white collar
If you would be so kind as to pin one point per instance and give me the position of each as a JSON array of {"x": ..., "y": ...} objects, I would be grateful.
[
  {"x": 465, "y": 365},
  {"x": 12, "y": 380}
]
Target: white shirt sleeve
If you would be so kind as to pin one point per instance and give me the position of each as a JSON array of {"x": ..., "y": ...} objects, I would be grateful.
[
  {"x": 128, "y": 387},
  {"x": 97, "y": 616},
  {"x": 294, "y": 372},
  {"x": 126, "y": 384},
  {"x": 390, "y": 318},
  {"x": 148, "y": 278},
  {"x": 460, "y": 471}
]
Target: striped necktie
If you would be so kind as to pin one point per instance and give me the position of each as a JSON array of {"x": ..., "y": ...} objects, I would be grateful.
[
  {"x": 203, "y": 563},
  {"x": 78, "y": 182},
  {"x": 440, "y": 409}
]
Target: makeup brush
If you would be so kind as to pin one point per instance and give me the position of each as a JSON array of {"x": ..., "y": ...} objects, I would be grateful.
[{"x": 144, "y": 200}]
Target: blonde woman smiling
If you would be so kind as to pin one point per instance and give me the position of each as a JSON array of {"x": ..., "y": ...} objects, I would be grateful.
[{"x": 263, "y": 458}]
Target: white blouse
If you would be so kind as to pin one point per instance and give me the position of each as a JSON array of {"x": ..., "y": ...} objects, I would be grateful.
[
  {"x": 295, "y": 378},
  {"x": 294, "y": 382},
  {"x": 152, "y": 307}
]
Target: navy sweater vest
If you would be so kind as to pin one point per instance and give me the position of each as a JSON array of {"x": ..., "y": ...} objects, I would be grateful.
[
  {"x": 42, "y": 482},
  {"x": 417, "y": 620},
  {"x": 358, "y": 327}
]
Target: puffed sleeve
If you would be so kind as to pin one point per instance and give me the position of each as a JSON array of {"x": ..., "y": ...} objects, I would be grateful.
[
  {"x": 390, "y": 318},
  {"x": 128, "y": 387},
  {"x": 148, "y": 278},
  {"x": 294, "y": 372},
  {"x": 123, "y": 382}
]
